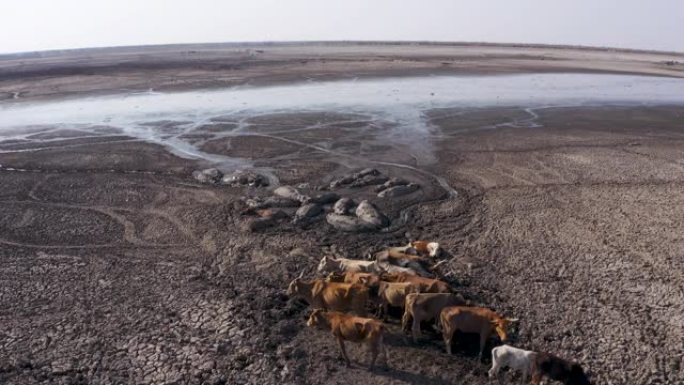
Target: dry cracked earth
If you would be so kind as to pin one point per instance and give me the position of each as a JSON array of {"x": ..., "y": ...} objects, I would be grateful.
[{"x": 118, "y": 267}]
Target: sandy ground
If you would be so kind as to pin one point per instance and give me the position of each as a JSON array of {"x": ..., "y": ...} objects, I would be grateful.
[{"x": 117, "y": 267}]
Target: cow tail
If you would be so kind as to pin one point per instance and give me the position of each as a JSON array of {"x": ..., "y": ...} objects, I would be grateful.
[{"x": 534, "y": 367}]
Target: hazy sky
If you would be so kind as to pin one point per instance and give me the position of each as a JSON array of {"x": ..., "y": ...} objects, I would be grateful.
[{"x": 29, "y": 25}]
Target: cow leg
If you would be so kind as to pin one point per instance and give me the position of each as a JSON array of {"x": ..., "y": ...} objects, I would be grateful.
[
  {"x": 437, "y": 325},
  {"x": 385, "y": 310},
  {"x": 377, "y": 309},
  {"x": 415, "y": 329},
  {"x": 536, "y": 378},
  {"x": 405, "y": 319},
  {"x": 447, "y": 339},
  {"x": 384, "y": 349},
  {"x": 361, "y": 310},
  {"x": 524, "y": 376},
  {"x": 495, "y": 368},
  {"x": 483, "y": 342},
  {"x": 340, "y": 342},
  {"x": 373, "y": 353}
]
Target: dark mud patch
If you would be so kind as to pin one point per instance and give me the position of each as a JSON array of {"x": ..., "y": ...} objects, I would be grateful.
[
  {"x": 251, "y": 147},
  {"x": 131, "y": 155},
  {"x": 34, "y": 224}
]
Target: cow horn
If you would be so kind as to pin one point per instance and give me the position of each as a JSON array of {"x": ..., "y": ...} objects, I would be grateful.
[{"x": 512, "y": 320}]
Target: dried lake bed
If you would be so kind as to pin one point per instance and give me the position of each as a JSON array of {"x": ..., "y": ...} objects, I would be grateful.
[{"x": 556, "y": 195}]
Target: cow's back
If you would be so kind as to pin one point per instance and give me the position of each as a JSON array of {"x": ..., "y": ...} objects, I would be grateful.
[
  {"x": 357, "y": 329},
  {"x": 553, "y": 367},
  {"x": 427, "y": 285},
  {"x": 356, "y": 266},
  {"x": 432, "y": 303},
  {"x": 395, "y": 292},
  {"x": 335, "y": 295},
  {"x": 465, "y": 319}
]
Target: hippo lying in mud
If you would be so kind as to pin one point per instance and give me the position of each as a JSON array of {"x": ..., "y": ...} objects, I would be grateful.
[
  {"x": 367, "y": 217},
  {"x": 306, "y": 212},
  {"x": 365, "y": 177},
  {"x": 289, "y": 192},
  {"x": 236, "y": 179}
]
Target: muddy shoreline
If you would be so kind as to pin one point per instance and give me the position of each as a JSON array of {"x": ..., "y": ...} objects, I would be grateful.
[
  {"x": 182, "y": 68},
  {"x": 118, "y": 266}
]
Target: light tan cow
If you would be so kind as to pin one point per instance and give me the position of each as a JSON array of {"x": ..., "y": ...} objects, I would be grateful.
[
  {"x": 343, "y": 265},
  {"x": 321, "y": 294},
  {"x": 350, "y": 328}
]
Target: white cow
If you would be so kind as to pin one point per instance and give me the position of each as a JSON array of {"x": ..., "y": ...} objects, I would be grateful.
[
  {"x": 514, "y": 358},
  {"x": 342, "y": 265}
]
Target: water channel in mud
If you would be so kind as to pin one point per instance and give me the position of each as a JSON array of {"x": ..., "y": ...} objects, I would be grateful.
[{"x": 184, "y": 122}]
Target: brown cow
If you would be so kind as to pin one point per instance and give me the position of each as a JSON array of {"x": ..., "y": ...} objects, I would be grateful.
[
  {"x": 427, "y": 285},
  {"x": 472, "y": 320},
  {"x": 420, "y": 307},
  {"x": 350, "y": 328},
  {"x": 369, "y": 280},
  {"x": 556, "y": 368},
  {"x": 331, "y": 295}
]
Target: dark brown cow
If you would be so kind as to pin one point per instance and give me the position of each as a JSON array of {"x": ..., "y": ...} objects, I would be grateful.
[
  {"x": 421, "y": 307},
  {"x": 472, "y": 320},
  {"x": 350, "y": 328},
  {"x": 394, "y": 294},
  {"x": 556, "y": 368},
  {"x": 426, "y": 285}
]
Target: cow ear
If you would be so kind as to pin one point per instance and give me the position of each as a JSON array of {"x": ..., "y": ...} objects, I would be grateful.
[{"x": 577, "y": 369}]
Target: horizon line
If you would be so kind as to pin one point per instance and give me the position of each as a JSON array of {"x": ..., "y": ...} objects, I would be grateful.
[{"x": 265, "y": 43}]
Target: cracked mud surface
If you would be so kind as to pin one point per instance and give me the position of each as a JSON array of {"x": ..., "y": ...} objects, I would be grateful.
[{"x": 111, "y": 277}]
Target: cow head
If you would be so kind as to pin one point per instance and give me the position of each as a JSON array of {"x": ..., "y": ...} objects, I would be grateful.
[
  {"x": 317, "y": 319},
  {"x": 327, "y": 263},
  {"x": 501, "y": 326},
  {"x": 433, "y": 249},
  {"x": 577, "y": 375},
  {"x": 335, "y": 277},
  {"x": 369, "y": 280},
  {"x": 293, "y": 288}
]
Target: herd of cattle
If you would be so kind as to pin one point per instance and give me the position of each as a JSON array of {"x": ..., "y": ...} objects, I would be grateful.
[{"x": 400, "y": 277}]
